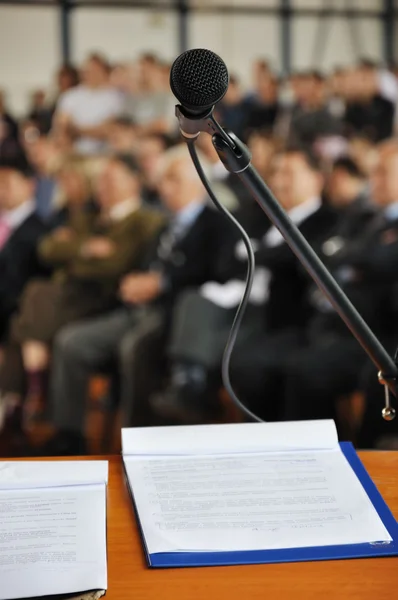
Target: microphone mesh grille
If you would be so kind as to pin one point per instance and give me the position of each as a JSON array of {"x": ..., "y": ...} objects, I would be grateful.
[{"x": 199, "y": 78}]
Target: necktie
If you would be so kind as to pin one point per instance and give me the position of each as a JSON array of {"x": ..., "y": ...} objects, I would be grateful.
[{"x": 5, "y": 231}]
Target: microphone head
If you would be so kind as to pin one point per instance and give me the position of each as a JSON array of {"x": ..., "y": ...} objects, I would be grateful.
[{"x": 199, "y": 79}]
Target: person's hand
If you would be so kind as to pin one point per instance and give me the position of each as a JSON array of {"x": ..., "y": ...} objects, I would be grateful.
[
  {"x": 63, "y": 234},
  {"x": 390, "y": 237},
  {"x": 139, "y": 288},
  {"x": 98, "y": 247}
]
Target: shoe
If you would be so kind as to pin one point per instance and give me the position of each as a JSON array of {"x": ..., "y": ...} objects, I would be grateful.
[
  {"x": 184, "y": 405},
  {"x": 13, "y": 441},
  {"x": 33, "y": 411},
  {"x": 63, "y": 443}
]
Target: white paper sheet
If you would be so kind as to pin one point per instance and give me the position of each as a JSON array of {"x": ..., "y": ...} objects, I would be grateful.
[
  {"x": 231, "y": 438},
  {"x": 52, "y": 527},
  {"x": 37, "y": 474},
  {"x": 246, "y": 486},
  {"x": 52, "y": 541},
  {"x": 251, "y": 502}
]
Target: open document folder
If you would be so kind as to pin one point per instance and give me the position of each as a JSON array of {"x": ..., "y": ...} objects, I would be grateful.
[
  {"x": 52, "y": 528},
  {"x": 253, "y": 493}
]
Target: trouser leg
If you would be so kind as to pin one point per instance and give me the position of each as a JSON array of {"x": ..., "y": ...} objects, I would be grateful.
[
  {"x": 199, "y": 331},
  {"x": 318, "y": 375},
  {"x": 141, "y": 362},
  {"x": 80, "y": 350}
]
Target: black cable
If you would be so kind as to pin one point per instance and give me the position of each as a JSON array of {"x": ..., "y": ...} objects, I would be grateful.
[{"x": 225, "y": 370}]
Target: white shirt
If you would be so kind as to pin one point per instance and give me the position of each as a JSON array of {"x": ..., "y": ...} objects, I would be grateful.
[
  {"x": 388, "y": 85},
  {"x": 388, "y": 88},
  {"x": 391, "y": 212},
  {"x": 229, "y": 294},
  {"x": 123, "y": 209},
  {"x": 15, "y": 217},
  {"x": 182, "y": 221},
  {"x": 89, "y": 107}
]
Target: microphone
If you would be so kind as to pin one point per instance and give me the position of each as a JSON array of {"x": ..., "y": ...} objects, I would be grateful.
[{"x": 199, "y": 79}]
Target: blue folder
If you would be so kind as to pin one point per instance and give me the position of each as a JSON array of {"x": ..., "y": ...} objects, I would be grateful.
[{"x": 252, "y": 557}]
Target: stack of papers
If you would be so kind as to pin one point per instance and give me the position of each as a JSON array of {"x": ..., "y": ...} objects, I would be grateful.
[
  {"x": 52, "y": 528},
  {"x": 257, "y": 492}
]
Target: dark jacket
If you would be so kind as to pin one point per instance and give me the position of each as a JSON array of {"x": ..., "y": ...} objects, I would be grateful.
[
  {"x": 83, "y": 286},
  {"x": 367, "y": 270},
  {"x": 18, "y": 264},
  {"x": 307, "y": 126},
  {"x": 195, "y": 258},
  {"x": 259, "y": 116},
  {"x": 374, "y": 118},
  {"x": 351, "y": 224},
  {"x": 288, "y": 305},
  {"x": 130, "y": 237}
]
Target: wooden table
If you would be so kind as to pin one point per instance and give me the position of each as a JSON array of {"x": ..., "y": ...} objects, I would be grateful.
[{"x": 130, "y": 579}]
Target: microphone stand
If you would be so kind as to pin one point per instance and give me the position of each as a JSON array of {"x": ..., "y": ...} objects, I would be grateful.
[{"x": 237, "y": 159}]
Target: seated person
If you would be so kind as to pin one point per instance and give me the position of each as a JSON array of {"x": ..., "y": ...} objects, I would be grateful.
[
  {"x": 89, "y": 257},
  {"x": 185, "y": 255},
  {"x": 367, "y": 268},
  {"x": 150, "y": 150},
  {"x": 76, "y": 197},
  {"x": 202, "y": 321},
  {"x": 20, "y": 231},
  {"x": 46, "y": 158},
  {"x": 347, "y": 191},
  {"x": 122, "y": 135}
]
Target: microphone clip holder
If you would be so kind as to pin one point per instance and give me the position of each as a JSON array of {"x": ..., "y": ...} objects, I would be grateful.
[{"x": 191, "y": 125}]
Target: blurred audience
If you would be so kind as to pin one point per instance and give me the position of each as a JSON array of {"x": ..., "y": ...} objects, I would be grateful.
[
  {"x": 151, "y": 105},
  {"x": 86, "y": 110},
  {"x": 39, "y": 112},
  {"x": 20, "y": 230},
  {"x": 279, "y": 298},
  {"x": 363, "y": 151},
  {"x": 184, "y": 255},
  {"x": 366, "y": 267},
  {"x": 150, "y": 153},
  {"x": 231, "y": 111},
  {"x": 122, "y": 135},
  {"x": 42, "y": 107},
  {"x": 10, "y": 148},
  {"x": 367, "y": 111},
  {"x": 46, "y": 159},
  {"x": 89, "y": 254},
  {"x": 348, "y": 191},
  {"x": 262, "y": 108},
  {"x": 67, "y": 78},
  {"x": 311, "y": 117},
  {"x": 111, "y": 286}
]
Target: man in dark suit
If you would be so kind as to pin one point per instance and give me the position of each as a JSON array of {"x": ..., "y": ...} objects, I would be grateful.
[
  {"x": 368, "y": 111},
  {"x": 348, "y": 192},
  {"x": 278, "y": 309},
  {"x": 367, "y": 269},
  {"x": 20, "y": 230},
  {"x": 310, "y": 117},
  {"x": 185, "y": 255}
]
